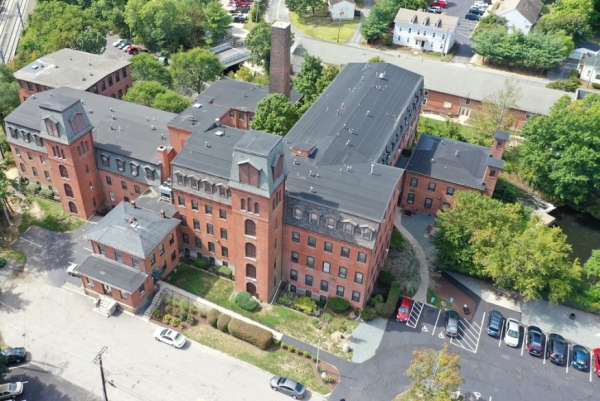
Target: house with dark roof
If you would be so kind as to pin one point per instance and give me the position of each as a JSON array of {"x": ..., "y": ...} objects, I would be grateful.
[
  {"x": 425, "y": 31},
  {"x": 520, "y": 14},
  {"x": 440, "y": 167}
]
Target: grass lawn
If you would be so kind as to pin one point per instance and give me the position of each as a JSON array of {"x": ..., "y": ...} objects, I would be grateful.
[
  {"x": 206, "y": 285},
  {"x": 8, "y": 253},
  {"x": 51, "y": 217},
  {"x": 397, "y": 240},
  {"x": 438, "y": 128},
  {"x": 322, "y": 27},
  {"x": 278, "y": 362},
  {"x": 438, "y": 301}
]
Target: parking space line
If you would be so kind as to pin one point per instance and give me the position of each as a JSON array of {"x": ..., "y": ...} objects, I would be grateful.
[
  {"x": 415, "y": 314},
  {"x": 436, "y": 320},
  {"x": 523, "y": 345},
  {"x": 501, "y": 333},
  {"x": 31, "y": 242},
  {"x": 568, "y": 357},
  {"x": 591, "y": 368},
  {"x": 479, "y": 337}
]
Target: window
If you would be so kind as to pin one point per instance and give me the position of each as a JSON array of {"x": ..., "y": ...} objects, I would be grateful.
[
  {"x": 26, "y": 136},
  {"x": 186, "y": 238},
  {"x": 249, "y": 175},
  {"x": 310, "y": 262},
  {"x": 308, "y": 280},
  {"x": 326, "y": 267},
  {"x": 410, "y": 199},
  {"x": 63, "y": 171},
  {"x": 231, "y": 113},
  {"x": 110, "y": 80},
  {"x": 256, "y": 208},
  {"x": 149, "y": 173},
  {"x": 72, "y": 207},
  {"x": 339, "y": 291},
  {"x": 250, "y": 250},
  {"x": 135, "y": 262},
  {"x": 105, "y": 161},
  {"x": 34, "y": 170},
  {"x": 136, "y": 189},
  {"x": 196, "y": 225},
  {"x": 108, "y": 180},
  {"x": 68, "y": 191},
  {"x": 356, "y": 296},
  {"x": 241, "y": 116},
  {"x": 324, "y": 285},
  {"x": 312, "y": 242},
  {"x": 181, "y": 200},
  {"x": 314, "y": 218},
  {"x": 294, "y": 257},
  {"x": 414, "y": 182},
  {"x": 330, "y": 223},
  {"x": 366, "y": 234},
  {"x": 223, "y": 233},
  {"x": 358, "y": 278},
  {"x": 468, "y": 101},
  {"x": 223, "y": 214},
  {"x": 207, "y": 187},
  {"x": 345, "y": 252},
  {"x": 90, "y": 282},
  {"x": 446, "y": 205},
  {"x": 134, "y": 169},
  {"x": 208, "y": 209},
  {"x": 328, "y": 247},
  {"x": 124, "y": 72},
  {"x": 13, "y": 132},
  {"x": 431, "y": 187},
  {"x": 342, "y": 272},
  {"x": 251, "y": 271},
  {"x": 293, "y": 275},
  {"x": 194, "y": 205},
  {"x": 183, "y": 221},
  {"x": 117, "y": 76},
  {"x": 87, "y": 169},
  {"x": 172, "y": 239},
  {"x": 123, "y": 184},
  {"x": 209, "y": 229},
  {"x": 112, "y": 196},
  {"x": 243, "y": 204},
  {"x": 297, "y": 214},
  {"x": 198, "y": 242},
  {"x": 211, "y": 247},
  {"x": 450, "y": 191},
  {"x": 250, "y": 227},
  {"x": 118, "y": 256},
  {"x": 295, "y": 236},
  {"x": 193, "y": 183},
  {"x": 349, "y": 228},
  {"x": 47, "y": 175},
  {"x": 362, "y": 257},
  {"x": 23, "y": 169},
  {"x": 18, "y": 152},
  {"x": 224, "y": 252},
  {"x": 30, "y": 155},
  {"x": 142, "y": 290},
  {"x": 492, "y": 173},
  {"x": 120, "y": 165},
  {"x": 427, "y": 203}
]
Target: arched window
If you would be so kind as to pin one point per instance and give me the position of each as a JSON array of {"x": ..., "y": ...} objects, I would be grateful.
[
  {"x": 250, "y": 250},
  {"x": 256, "y": 209},
  {"x": 72, "y": 207},
  {"x": 63, "y": 171},
  {"x": 250, "y": 271},
  {"x": 250, "y": 227},
  {"x": 69, "y": 191},
  {"x": 251, "y": 288},
  {"x": 243, "y": 204}
]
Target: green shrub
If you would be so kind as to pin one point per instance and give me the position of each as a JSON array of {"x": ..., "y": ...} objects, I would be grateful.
[
  {"x": 326, "y": 317},
  {"x": 287, "y": 299},
  {"x": 292, "y": 350},
  {"x": 276, "y": 341},
  {"x": 182, "y": 315},
  {"x": 213, "y": 316},
  {"x": 368, "y": 314},
  {"x": 156, "y": 314},
  {"x": 284, "y": 346},
  {"x": 386, "y": 278},
  {"x": 167, "y": 319},
  {"x": 175, "y": 321},
  {"x": 574, "y": 73},
  {"x": 225, "y": 271},
  {"x": 389, "y": 41},
  {"x": 328, "y": 379},
  {"x": 319, "y": 369},
  {"x": 47, "y": 193},
  {"x": 567, "y": 85},
  {"x": 595, "y": 85},
  {"x": 192, "y": 310},
  {"x": 388, "y": 308},
  {"x": 33, "y": 187},
  {"x": 201, "y": 313},
  {"x": 305, "y": 304},
  {"x": 377, "y": 299},
  {"x": 169, "y": 309},
  {"x": 191, "y": 321},
  {"x": 251, "y": 333},
  {"x": 223, "y": 321},
  {"x": 314, "y": 359},
  {"x": 201, "y": 263},
  {"x": 339, "y": 305},
  {"x": 306, "y": 354},
  {"x": 245, "y": 301}
]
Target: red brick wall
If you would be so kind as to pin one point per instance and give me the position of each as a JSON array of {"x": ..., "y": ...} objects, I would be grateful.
[
  {"x": 130, "y": 303},
  {"x": 117, "y": 190},
  {"x": 235, "y": 121},
  {"x": 178, "y": 137},
  {"x": 30, "y": 164}
]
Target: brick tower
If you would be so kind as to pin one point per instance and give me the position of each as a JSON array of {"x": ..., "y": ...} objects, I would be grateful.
[
  {"x": 257, "y": 180},
  {"x": 280, "y": 70}
]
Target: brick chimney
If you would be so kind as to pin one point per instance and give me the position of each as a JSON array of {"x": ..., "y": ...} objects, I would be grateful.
[
  {"x": 165, "y": 162},
  {"x": 280, "y": 70},
  {"x": 500, "y": 141}
]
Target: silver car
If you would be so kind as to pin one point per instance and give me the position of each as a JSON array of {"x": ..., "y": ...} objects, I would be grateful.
[
  {"x": 170, "y": 337},
  {"x": 512, "y": 333},
  {"x": 10, "y": 390},
  {"x": 289, "y": 387}
]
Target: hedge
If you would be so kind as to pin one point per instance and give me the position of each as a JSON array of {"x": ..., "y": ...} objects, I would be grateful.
[
  {"x": 305, "y": 304},
  {"x": 368, "y": 314},
  {"x": 245, "y": 301},
  {"x": 47, "y": 193},
  {"x": 33, "y": 187},
  {"x": 250, "y": 333},
  {"x": 388, "y": 308},
  {"x": 386, "y": 278},
  {"x": 225, "y": 271},
  {"x": 201, "y": 263},
  {"x": 213, "y": 316},
  {"x": 338, "y": 305},
  {"x": 222, "y": 322}
]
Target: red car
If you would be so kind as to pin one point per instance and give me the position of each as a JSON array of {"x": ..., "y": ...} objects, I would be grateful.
[
  {"x": 438, "y": 4},
  {"x": 597, "y": 361},
  {"x": 403, "y": 310}
]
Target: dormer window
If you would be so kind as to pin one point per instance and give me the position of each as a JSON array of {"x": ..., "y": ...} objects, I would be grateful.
[
  {"x": 135, "y": 169},
  {"x": 314, "y": 218},
  {"x": 105, "y": 160},
  {"x": 179, "y": 179},
  {"x": 52, "y": 127},
  {"x": 207, "y": 187},
  {"x": 413, "y": 19},
  {"x": 193, "y": 183},
  {"x": 349, "y": 228},
  {"x": 149, "y": 173},
  {"x": 38, "y": 141},
  {"x": 221, "y": 192},
  {"x": 26, "y": 136},
  {"x": 425, "y": 19},
  {"x": 120, "y": 165},
  {"x": 277, "y": 168},
  {"x": 13, "y": 132},
  {"x": 366, "y": 234},
  {"x": 297, "y": 214},
  {"x": 330, "y": 223},
  {"x": 77, "y": 123},
  {"x": 249, "y": 175}
]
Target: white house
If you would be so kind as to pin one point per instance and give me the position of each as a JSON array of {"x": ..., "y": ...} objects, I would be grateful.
[
  {"x": 341, "y": 9},
  {"x": 520, "y": 14},
  {"x": 589, "y": 67},
  {"x": 426, "y": 31}
]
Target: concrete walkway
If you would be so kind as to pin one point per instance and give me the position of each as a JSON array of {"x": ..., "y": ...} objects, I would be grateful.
[
  {"x": 421, "y": 295},
  {"x": 366, "y": 338}
]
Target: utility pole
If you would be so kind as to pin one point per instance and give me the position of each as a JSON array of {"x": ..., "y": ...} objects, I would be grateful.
[
  {"x": 340, "y": 25},
  {"x": 98, "y": 360}
]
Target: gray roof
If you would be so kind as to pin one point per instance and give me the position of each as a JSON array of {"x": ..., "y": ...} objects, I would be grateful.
[
  {"x": 68, "y": 67},
  {"x": 529, "y": 9},
  {"x": 131, "y": 134},
  {"x": 581, "y": 93},
  {"x": 151, "y": 200},
  {"x": 135, "y": 231},
  {"x": 257, "y": 143},
  {"x": 501, "y": 135},
  {"x": 451, "y": 161},
  {"x": 111, "y": 272},
  {"x": 332, "y": 2},
  {"x": 404, "y": 16}
]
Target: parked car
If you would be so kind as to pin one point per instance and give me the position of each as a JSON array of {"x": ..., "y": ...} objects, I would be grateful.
[
  {"x": 239, "y": 18},
  {"x": 14, "y": 355},
  {"x": 71, "y": 270},
  {"x": 452, "y": 323},
  {"x": 512, "y": 334},
  {"x": 597, "y": 361},
  {"x": 556, "y": 349},
  {"x": 476, "y": 11},
  {"x": 434, "y": 9},
  {"x": 495, "y": 323},
  {"x": 123, "y": 45},
  {"x": 403, "y": 310},
  {"x": 170, "y": 337},
  {"x": 288, "y": 386},
  {"x": 119, "y": 42},
  {"x": 581, "y": 358},
  {"x": 535, "y": 341},
  {"x": 10, "y": 390},
  {"x": 438, "y": 3},
  {"x": 472, "y": 17},
  {"x": 480, "y": 4},
  {"x": 357, "y": 13},
  {"x": 133, "y": 49}
]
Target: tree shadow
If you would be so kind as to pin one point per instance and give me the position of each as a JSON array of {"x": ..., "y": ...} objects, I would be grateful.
[{"x": 11, "y": 300}]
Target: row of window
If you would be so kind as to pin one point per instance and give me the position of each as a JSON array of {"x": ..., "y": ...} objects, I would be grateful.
[
  {"x": 14, "y": 133},
  {"x": 426, "y": 204},
  {"x": 198, "y": 244},
  {"x": 414, "y": 182},
  {"x": 134, "y": 167},
  {"x": 108, "y": 289},
  {"x": 328, "y": 246},
  {"x": 332, "y": 224},
  {"x": 208, "y": 209},
  {"x": 117, "y": 76},
  {"x": 136, "y": 188},
  {"x": 419, "y": 32},
  {"x": 208, "y": 187},
  {"x": 339, "y": 290},
  {"x": 241, "y": 115},
  {"x": 247, "y": 206},
  {"x": 342, "y": 273}
]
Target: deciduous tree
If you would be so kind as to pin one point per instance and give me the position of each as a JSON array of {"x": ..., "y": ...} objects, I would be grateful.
[
  {"x": 145, "y": 67},
  {"x": 92, "y": 41},
  {"x": 144, "y": 92},
  {"x": 376, "y": 60},
  {"x": 301, "y": 7},
  {"x": 329, "y": 74},
  {"x": 275, "y": 114},
  {"x": 305, "y": 82},
  {"x": 9, "y": 93},
  {"x": 171, "y": 101},
  {"x": 216, "y": 22},
  {"x": 577, "y": 26},
  {"x": 191, "y": 69},
  {"x": 258, "y": 42},
  {"x": 435, "y": 374}
]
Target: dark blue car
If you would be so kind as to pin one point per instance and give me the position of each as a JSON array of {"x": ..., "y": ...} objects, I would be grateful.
[
  {"x": 472, "y": 17},
  {"x": 581, "y": 358},
  {"x": 495, "y": 323}
]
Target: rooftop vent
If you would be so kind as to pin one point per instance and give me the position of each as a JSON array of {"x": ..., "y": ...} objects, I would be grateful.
[
  {"x": 456, "y": 153},
  {"x": 153, "y": 128},
  {"x": 112, "y": 110},
  {"x": 312, "y": 190},
  {"x": 219, "y": 133},
  {"x": 433, "y": 160},
  {"x": 197, "y": 105},
  {"x": 206, "y": 145},
  {"x": 348, "y": 142},
  {"x": 35, "y": 67},
  {"x": 83, "y": 78},
  {"x": 372, "y": 168},
  {"x": 113, "y": 117},
  {"x": 90, "y": 111},
  {"x": 218, "y": 122}
]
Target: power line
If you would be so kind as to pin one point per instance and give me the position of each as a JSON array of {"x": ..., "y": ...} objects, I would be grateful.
[{"x": 98, "y": 360}]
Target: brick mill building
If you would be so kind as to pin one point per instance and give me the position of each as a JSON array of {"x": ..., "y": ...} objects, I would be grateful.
[{"x": 77, "y": 70}]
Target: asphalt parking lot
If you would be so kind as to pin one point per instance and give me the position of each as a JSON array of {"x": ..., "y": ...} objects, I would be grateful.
[{"x": 465, "y": 29}]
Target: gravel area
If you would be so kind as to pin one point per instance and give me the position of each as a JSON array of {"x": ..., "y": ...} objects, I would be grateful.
[{"x": 366, "y": 338}]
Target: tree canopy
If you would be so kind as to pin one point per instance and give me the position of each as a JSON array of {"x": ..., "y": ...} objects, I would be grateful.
[
  {"x": 216, "y": 22},
  {"x": 91, "y": 40},
  {"x": 275, "y": 114},
  {"x": 145, "y": 67},
  {"x": 305, "y": 82},
  {"x": 191, "y": 69},
  {"x": 301, "y": 7},
  {"x": 9, "y": 93},
  {"x": 382, "y": 13},
  {"x": 574, "y": 25},
  {"x": 435, "y": 374},
  {"x": 153, "y": 94},
  {"x": 561, "y": 153},
  {"x": 258, "y": 42}
]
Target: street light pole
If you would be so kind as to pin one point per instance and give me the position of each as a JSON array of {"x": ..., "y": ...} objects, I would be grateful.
[
  {"x": 340, "y": 25},
  {"x": 98, "y": 360}
]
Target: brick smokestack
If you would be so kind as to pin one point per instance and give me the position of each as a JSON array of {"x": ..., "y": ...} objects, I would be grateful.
[{"x": 280, "y": 70}]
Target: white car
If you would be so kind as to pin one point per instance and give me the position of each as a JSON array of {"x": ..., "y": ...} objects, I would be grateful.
[
  {"x": 512, "y": 332},
  {"x": 10, "y": 390},
  {"x": 119, "y": 42},
  {"x": 480, "y": 5},
  {"x": 170, "y": 337},
  {"x": 71, "y": 270}
]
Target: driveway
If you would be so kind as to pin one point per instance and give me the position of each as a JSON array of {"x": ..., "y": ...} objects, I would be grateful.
[{"x": 465, "y": 30}]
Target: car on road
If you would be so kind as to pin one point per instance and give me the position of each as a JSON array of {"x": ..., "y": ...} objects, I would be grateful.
[
  {"x": 133, "y": 49},
  {"x": 535, "y": 341},
  {"x": 477, "y": 11},
  {"x": 170, "y": 337},
  {"x": 119, "y": 42},
  {"x": 434, "y": 9},
  {"x": 480, "y": 4},
  {"x": 123, "y": 45},
  {"x": 495, "y": 323},
  {"x": 71, "y": 270},
  {"x": 14, "y": 355},
  {"x": 472, "y": 17},
  {"x": 240, "y": 18},
  {"x": 597, "y": 361},
  {"x": 10, "y": 390},
  {"x": 556, "y": 349},
  {"x": 452, "y": 323},
  {"x": 512, "y": 332},
  {"x": 438, "y": 3},
  {"x": 403, "y": 310},
  {"x": 581, "y": 358},
  {"x": 289, "y": 387}
]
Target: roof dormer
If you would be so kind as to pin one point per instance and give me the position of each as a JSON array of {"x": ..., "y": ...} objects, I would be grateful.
[
  {"x": 437, "y": 23},
  {"x": 413, "y": 19},
  {"x": 425, "y": 21}
]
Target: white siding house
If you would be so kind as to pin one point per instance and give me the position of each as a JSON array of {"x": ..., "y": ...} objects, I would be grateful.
[
  {"x": 341, "y": 9},
  {"x": 425, "y": 31},
  {"x": 589, "y": 67},
  {"x": 520, "y": 14}
]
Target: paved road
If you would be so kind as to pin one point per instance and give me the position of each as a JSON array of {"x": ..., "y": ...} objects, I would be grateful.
[{"x": 459, "y": 8}]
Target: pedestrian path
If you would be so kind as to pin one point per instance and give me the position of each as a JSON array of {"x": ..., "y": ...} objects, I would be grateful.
[{"x": 366, "y": 338}]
